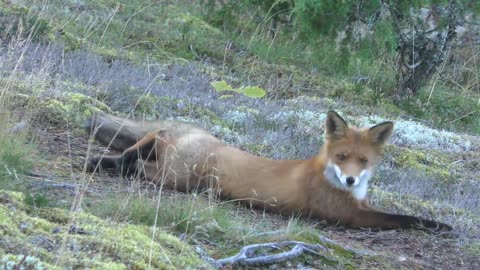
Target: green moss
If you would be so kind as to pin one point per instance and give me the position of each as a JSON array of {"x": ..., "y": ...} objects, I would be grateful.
[
  {"x": 96, "y": 244},
  {"x": 72, "y": 107},
  {"x": 434, "y": 163},
  {"x": 255, "y": 149},
  {"x": 146, "y": 105},
  {"x": 411, "y": 205}
]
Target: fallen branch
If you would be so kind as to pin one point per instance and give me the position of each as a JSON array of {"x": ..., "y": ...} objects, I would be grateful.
[{"x": 248, "y": 254}]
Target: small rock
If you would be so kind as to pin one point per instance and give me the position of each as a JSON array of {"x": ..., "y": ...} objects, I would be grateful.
[
  {"x": 75, "y": 230},
  {"x": 23, "y": 227},
  {"x": 74, "y": 246},
  {"x": 18, "y": 127},
  {"x": 56, "y": 230}
]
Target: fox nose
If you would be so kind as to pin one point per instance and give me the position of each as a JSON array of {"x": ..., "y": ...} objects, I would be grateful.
[{"x": 350, "y": 180}]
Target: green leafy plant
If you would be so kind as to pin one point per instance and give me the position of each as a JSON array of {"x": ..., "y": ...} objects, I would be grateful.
[{"x": 249, "y": 91}]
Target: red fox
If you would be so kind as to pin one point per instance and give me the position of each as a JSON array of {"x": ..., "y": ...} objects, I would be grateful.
[{"x": 331, "y": 186}]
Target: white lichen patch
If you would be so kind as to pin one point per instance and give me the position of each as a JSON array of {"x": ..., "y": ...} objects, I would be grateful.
[
  {"x": 235, "y": 117},
  {"x": 227, "y": 135},
  {"x": 412, "y": 134},
  {"x": 305, "y": 120}
]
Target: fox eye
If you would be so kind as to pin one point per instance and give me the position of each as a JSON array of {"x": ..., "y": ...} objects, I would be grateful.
[
  {"x": 364, "y": 161},
  {"x": 341, "y": 156}
]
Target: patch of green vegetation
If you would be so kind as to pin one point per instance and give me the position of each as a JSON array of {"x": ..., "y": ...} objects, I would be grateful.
[
  {"x": 263, "y": 122},
  {"x": 187, "y": 109},
  {"x": 16, "y": 157},
  {"x": 249, "y": 91},
  {"x": 412, "y": 205},
  {"x": 79, "y": 235},
  {"x": 16, "y": 21},
  {"x": 146, "y": 105},
  {"x": 338, "y": 257},
  {"x": 435, "y": 163},
  {"x": 461, "y": 109},
  {"x": 131, "y": 29},
  {"x": 473, "y": 248},
  {"x": 72, "y": 107},
  {"x": 203, "y": 222},
  {"x": 255, "y": 149},
  {"x": 363, "y": 93},
  {"x": 358, "y": 91},
  {"x": 36, "y": 200},
  {"x": 182, "y": 214},
  {"x": 362, "y": 73}
]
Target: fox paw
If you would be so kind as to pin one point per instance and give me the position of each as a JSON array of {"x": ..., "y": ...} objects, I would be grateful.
[
  {"x": 93, "y": 164},
  {"x": 442, "y": 227}
]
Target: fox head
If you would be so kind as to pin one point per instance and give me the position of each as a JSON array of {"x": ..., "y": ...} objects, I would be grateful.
[{"x": 351, "y": 153}]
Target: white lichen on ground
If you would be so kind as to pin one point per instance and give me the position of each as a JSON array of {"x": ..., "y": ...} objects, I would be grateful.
[{"x": 413, "y": 134}]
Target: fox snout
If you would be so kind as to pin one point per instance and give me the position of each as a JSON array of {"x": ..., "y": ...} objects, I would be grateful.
[{"x": 351, "y": 180}]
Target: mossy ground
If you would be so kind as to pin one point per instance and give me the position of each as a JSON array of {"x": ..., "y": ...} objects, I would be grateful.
[
  {"x": 59, "y": 238},
  {"x": 434, "y": 163}
]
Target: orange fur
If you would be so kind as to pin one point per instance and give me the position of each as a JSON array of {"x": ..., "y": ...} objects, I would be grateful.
[{"x": 185, "y": 157}]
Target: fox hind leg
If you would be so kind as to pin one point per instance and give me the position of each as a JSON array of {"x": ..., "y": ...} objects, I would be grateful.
[{"x": 125, "y": 163}]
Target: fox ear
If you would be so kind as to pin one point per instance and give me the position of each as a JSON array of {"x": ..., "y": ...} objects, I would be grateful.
[
  {"x": 379, "y": 134},
  {"x": 335, "y": 126}
]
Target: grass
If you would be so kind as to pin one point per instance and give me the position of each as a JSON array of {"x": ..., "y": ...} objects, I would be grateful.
[
  {"x": 16, "y": 156},
  {"x": 181, "y": 214}
]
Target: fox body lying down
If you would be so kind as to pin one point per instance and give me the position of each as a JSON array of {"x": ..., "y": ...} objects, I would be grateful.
[{"x": 331, "y": 186}]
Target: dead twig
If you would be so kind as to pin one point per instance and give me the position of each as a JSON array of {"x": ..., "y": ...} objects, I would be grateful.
[{"x": 248, "y": 255}]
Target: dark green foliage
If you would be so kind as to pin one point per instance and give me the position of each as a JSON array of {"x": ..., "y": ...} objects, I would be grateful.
[
  {"x": 36, "y": 200},
  {"x": 15, "y": 155},
  {"x": 448, "y": 109},
  {"x": 17, "y": 21}
]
